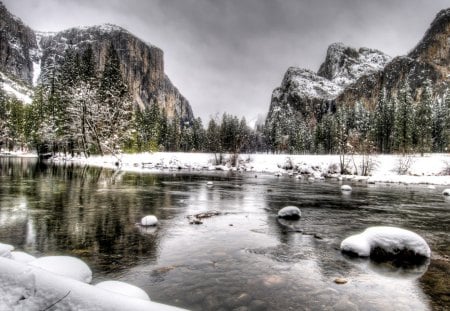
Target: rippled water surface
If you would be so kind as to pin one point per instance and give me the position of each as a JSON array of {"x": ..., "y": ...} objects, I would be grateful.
[{"x": 244, "y": 258}]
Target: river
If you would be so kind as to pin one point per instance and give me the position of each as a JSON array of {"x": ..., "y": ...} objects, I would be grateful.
[{"x": 242, "y": 259}]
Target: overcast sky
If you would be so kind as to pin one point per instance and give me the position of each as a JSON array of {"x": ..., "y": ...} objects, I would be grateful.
[{"x": 228, "y": 55}]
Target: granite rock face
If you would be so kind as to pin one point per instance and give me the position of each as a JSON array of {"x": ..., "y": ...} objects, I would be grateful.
[
  {"x": 350, "y": 75},
  {"x": 29, "y": 56}
]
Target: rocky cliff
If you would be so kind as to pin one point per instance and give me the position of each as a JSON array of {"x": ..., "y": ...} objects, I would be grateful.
[
  {"x": 348, "y": 76},
  {"x": 310, "y": 94},
  {"x": 27, "y": 56}
]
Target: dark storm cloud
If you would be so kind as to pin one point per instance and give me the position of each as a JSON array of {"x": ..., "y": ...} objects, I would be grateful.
[{"x": 228, "y": 55}]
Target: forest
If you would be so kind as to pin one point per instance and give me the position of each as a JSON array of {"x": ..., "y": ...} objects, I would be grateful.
[{"x": 79, "y": 111}]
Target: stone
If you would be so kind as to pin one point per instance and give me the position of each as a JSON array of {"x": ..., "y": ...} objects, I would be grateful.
[{"x": 340, "y": 281}]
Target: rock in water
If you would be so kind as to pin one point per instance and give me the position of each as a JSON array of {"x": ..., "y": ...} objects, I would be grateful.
[
  {"x": 384, "y": 243},
  {"x": 149, "y": 220},
  {"x": 446, "y": 192},
  {"x": 346, "y": 189},
  {"x": 123, "y": 288},
  {"x": 290, "y": 212}
]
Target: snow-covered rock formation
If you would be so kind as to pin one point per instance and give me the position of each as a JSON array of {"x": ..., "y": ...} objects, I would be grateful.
[
  {"x": 27, "y": 58},
  {"x": 391, "y": 241}
]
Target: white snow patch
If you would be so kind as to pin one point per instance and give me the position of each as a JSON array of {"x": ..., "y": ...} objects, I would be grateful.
[
  {"x": 123, "y": 288},
  {"x": 25, "y": 287},
  {"x": 5, "y": 250},
  {"x": 346, "y": 188},
  {"x": 67, "y": 266},
  {"x": 14, "y": 89},
  {"x": 149, "y": 220},
  {"x": 289, "y": 212},
  {"x": 390, "y": 239},
  {"x": 22, "y": 257}
]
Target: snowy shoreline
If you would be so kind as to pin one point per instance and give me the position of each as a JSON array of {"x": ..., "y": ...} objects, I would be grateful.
[
  {"x": 427, "y": 169},
  {"x": 422, "y": 170}
]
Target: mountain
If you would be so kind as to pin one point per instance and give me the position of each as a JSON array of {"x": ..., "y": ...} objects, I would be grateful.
[
  {"x": 307, "y": 95},
  {"x": 27, "y": 58},
  {"x": 350, "y": 77}
]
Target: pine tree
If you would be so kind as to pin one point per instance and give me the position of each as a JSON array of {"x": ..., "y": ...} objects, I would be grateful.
[
  {"x": 403, "y": 126},
  {"x": 423, "y": 122}
]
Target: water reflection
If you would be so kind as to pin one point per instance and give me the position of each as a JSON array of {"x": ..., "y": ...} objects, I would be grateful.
[{"x": 245, "y": 256}]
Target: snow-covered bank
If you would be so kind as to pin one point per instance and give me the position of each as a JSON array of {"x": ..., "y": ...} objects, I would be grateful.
[
  {"x": 413, "y": 169},
  {"x": 28, "y": 287}
]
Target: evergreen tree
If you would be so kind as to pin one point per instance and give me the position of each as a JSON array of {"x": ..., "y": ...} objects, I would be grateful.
[
  {"x": 423, "y": 122},
  {"x": 403, "y": 126},
  {"x": 384, "y": 122}
]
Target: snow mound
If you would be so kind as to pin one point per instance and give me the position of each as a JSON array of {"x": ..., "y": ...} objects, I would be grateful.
[
  {"x": 5, "y": 250},
  {"x": 22, "y": 257},
  {"x": 446, "y": 192},
  {"x": 123, "y": 288},
  {"x": 290, "y": 212},
  {"x": 149, "y": 220},
  {"x": 346, "y": 188},
  {"x": 390, "y": 241},
  {"x": 67, "y": 266}
]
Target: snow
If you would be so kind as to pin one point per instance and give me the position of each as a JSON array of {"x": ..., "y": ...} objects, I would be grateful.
[
  {"x": 292, "y": 212},
  {"x": 346, "y": 188},
  {"x": 25, "y": 287},
  {"x": 14, "y": 89},
  {"x": 424, "y": 170},
  {"x": 67, "y": 266},
  {"x": 307, "y": 83},
  {"x": 390, "y": 239},
  {"x": 5, "y": 250},
  {"x": 149, "y": 220},
  {"x": 22, "y": 257},
  {"x": 123, "y": 288}
]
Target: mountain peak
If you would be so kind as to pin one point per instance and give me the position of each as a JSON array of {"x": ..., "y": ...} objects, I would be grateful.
[
  {"x": 435, "y": 45},
  {"x": 344, "y": 64}
]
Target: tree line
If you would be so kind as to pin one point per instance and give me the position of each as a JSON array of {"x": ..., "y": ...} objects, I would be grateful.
[{"x": 78, "y": 110}]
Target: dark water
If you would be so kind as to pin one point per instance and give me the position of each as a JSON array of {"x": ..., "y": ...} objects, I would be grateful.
[{"x": 243, "y": 259}]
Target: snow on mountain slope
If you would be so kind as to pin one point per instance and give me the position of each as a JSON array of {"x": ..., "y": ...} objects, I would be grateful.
[{"x": 15, "y": 89}]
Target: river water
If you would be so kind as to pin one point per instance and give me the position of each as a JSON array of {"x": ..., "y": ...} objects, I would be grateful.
[{"x": 242, "y": 259}]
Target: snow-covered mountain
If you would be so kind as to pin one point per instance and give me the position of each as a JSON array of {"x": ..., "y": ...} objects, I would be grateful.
[
  {"x": 349, "y": 76},
  {"x": 306, "y": 94},
  {"x": 27, "y": 58}
]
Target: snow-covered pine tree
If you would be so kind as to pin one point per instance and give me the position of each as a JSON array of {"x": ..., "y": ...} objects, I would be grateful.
[
  {"x": 113, "y": 107},
  {"x": 404, "y": 118},
  {"x": 423, "y": 119}
]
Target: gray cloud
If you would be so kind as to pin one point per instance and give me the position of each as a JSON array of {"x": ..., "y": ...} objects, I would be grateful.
[{"x": 228, "y": 55}]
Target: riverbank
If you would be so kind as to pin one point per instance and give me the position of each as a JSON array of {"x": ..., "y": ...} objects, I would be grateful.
[{"x": 433, "y": 169}]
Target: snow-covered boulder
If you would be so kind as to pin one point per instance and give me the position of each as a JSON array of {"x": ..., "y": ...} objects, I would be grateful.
[
  {"x": 22, "y": 257},
  {"x": 446, "y": 192},
  {"x": 210, "y": 184},
  {"x": 123, "y": 288},
  {"x": 67, "y": 266},
  {"x": 5, "y": 250},
  {"x": 290, "y": 212},
  {"x": 346, "y": 188},
  {"x": 149, "y": 220},
  {"x": 386, "y": 242}
]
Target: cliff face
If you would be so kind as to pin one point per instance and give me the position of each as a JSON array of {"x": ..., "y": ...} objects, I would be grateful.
[
  {"x": 429, "y": 60},
  {"x": 18, "y": 47},
  {"x": 142, "y": 65},
  {"x": 26, "y": 55},
  {"x": 309, "y": 95}
]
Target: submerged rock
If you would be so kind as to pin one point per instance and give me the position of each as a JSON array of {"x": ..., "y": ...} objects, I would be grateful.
[{"x": 446, "y": 192}]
